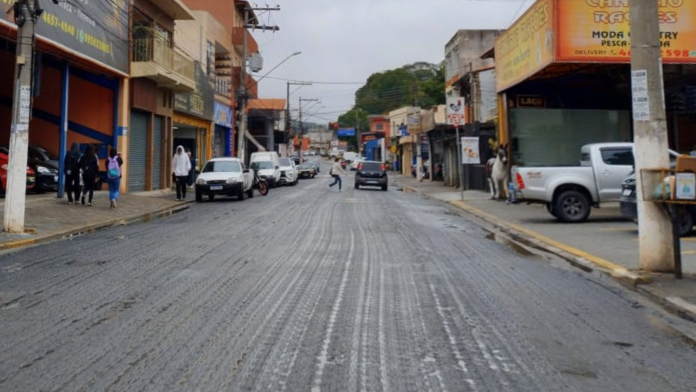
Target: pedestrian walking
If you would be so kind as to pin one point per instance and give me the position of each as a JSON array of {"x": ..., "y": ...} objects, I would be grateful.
[
  {"x": 71, "y": 168},
  {"x": 90, "y": 174},
  {"x": 192, "y": 171},
  {"x": 181, "y": 167},
  {"x": 336, "y": 171},
  {"x": 113, "y": 174}
]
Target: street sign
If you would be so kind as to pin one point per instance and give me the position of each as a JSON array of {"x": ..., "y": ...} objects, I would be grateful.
[
  {"x": 456, "y": 113},
  {"x": 393, "y": 149}
]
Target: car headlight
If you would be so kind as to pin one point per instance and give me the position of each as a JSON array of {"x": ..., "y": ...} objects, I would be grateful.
[
  {"x": 232, "y": 180},
  {"x": 200, "y": 181},
  {"x": 43, "y": 170}
]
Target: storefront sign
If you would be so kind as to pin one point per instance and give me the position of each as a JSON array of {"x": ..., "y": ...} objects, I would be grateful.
[
  {"x": 97, "y": 29},
  {"x": 223, "y": 115},
  {"x": 199, "y": 103},
  {"x": 470, "y": 151},
  {"x": 531, "y": 101},
  {"x": 527, "y": 47},
  {"x": 345, "y": 132},
  {"x": 599, "y": 31}
]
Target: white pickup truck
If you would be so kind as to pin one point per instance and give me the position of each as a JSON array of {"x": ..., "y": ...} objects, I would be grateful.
[{"x": 570, "y": 191}]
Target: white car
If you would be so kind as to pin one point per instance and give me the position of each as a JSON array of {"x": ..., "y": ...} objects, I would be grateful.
[
  {"x": 355, "y": 163},
  {"x": 288, "y": 172},
  {"x": 224, "y": 176}
]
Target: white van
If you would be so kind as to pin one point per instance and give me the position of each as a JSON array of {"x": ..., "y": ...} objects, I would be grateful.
[{"x": 268, "y": 166}]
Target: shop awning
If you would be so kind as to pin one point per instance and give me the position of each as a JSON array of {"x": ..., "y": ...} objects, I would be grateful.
[{"x": 267, "y": 104}]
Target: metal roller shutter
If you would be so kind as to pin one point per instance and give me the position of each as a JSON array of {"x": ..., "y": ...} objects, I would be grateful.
[
  {"x": 137, "y": 151},
  {"x": 157, "y": 151}
]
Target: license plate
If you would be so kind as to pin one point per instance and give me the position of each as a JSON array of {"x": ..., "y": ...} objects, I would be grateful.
[
  {"x": 216, "y": 187},
  {"x": 627, "y": 192},
  {"x": 372, "y": 182}
]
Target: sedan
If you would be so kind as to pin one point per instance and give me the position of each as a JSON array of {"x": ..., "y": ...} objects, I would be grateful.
[{"x": 306, "y": 170}]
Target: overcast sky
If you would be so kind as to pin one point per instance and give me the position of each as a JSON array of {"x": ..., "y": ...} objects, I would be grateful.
[{"x": 344, "y": 41}]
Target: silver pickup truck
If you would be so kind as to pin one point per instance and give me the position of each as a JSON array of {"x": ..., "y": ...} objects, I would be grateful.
[{"x": 570, "y": 191}]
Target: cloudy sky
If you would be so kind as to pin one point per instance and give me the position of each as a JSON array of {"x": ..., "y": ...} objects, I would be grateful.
[{"x": 345, "y": 41}]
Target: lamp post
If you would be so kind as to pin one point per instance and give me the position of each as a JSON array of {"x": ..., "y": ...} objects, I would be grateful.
[{"x": 241, "y": 142}]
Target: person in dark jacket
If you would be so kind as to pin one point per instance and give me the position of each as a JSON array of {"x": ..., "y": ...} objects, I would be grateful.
[
  {"x": 72, "y": 172},
  {"x": 192, "y": 172},
  {"x": 90, "y": 174}
]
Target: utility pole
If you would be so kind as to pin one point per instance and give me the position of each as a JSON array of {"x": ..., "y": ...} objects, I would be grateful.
[
  {"x": 419, "y": 145},
  {"x": 656, "y": 236},
  {"x": 299, "y": 152},
  {"x": 26, "y": 14},
  {"x": 288, "y": 119},
  {"x": 242, "y": 128}
]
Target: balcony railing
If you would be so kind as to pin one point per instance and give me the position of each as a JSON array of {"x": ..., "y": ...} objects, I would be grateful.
[
  {"x": 156, "y": 51},
  {"x": 222, "y": 85}
]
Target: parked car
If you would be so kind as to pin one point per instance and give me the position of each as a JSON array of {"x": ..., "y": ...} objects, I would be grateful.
[
  {"x": 267, "y": 164},
  {"x": 570, "y": 191},
  {"x": 371, "y": 173},
  {"x": 288, "y": 172},
  {"x": 45, "y": 168},
  {"x": 306, "y": 170},
  {"x": 296, "y": 159},
  {"x": 4, "y": 162},
  {"x": 316, "y": 165},
  {"x": 224, "y": 176}
]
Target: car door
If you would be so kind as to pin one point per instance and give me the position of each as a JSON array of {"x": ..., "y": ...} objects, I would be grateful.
[
  {"x": 247, "y": 177},
  {"x": 613, "y": 165}
]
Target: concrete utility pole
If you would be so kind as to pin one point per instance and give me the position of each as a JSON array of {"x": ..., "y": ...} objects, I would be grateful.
[
  {"x": 650, "y": 133},
  {"x": 299, "y": 152},
  {"x": 241, "y": 129},
  {"x": 26, "y": 14},
  {"x": 288, "y": 119}
]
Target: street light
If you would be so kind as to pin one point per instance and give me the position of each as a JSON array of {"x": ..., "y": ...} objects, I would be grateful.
[{"x": 241, "y": 142}]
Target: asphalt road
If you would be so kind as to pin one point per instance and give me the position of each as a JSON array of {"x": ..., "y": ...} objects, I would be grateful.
[{"x": 309, "y": 289}]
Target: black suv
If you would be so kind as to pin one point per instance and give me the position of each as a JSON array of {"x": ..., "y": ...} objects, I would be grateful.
[{"x": 371, "y": 173}]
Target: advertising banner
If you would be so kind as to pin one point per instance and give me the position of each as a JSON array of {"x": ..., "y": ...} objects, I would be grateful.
[
  {"x": 200, "y": 103},
  {"x": 97, "y": 29},
  {"x": 223, "y": 115},
  {"x": 344, "y": 132},
  {"x": 456, "y": 110},
  {"x": 470, "y": 150},
  {"x": 599, "y": 31},
  {"x": 527, "y": 47}
]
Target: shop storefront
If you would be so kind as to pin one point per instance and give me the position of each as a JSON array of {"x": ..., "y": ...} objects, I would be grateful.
[
  {"x": 563, "y": 78},
  {"x": 78, "y": 94},
  {"x": 222, "y": 136},
  {"x": 193, "y": 120}
]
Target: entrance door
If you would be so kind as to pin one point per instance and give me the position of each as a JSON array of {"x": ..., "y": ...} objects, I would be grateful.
[
  {"x": 137, "y": 151},
  {"x": 157, "y": 153}
]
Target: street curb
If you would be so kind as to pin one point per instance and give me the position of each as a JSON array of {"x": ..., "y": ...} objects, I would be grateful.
[
  {"x": 121, "y": 221},
  {"x": 584, "y": 260}
]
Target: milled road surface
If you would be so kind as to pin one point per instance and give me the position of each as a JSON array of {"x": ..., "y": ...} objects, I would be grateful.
[{"x": 312, "y": 290}]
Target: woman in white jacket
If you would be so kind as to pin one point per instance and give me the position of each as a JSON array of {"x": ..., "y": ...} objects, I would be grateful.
[
  {"x": 181, "y": 165},
  {"x": 336, "y": 171}
]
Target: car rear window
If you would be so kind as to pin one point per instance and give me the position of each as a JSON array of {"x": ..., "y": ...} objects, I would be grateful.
[{"x": 371, "y": 166}]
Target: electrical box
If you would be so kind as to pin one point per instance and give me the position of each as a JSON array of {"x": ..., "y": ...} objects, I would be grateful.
[{"x": 256, "y": 62}]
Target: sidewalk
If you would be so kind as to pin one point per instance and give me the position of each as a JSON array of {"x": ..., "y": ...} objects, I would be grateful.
[
  {"x": 49, "y": 218},
  {"x": 605, "y": 242}
]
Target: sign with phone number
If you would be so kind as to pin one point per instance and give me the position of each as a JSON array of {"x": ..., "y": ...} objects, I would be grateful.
[{"x": 666, "y": 53}]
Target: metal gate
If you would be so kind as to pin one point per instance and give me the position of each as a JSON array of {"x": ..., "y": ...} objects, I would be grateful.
[
  {"x": 137, "y": 151},
  {"x": 157, "y": 153}
]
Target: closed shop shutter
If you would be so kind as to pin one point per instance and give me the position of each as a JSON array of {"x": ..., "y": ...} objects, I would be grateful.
[
  {"x": 157, "y": 151},
  {"x": 137, "y": 151}
]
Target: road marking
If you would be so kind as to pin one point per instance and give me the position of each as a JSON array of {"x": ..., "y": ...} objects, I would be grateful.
[{"x": 615, "y": 229}]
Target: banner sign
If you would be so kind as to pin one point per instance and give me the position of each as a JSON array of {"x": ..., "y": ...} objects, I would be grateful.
[
  {"x": 470, "y": 150},
  {"x": 527, "y": 47},
  {"x": 344, "y": 132},
  {"x": 599, "y": 31},
  {"x": 223, "y": 115},
  {"x": 199, "y": 103},
  {"x": 97, "y": 29}
]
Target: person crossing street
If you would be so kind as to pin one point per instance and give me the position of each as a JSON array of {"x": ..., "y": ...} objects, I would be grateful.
[{"x": 336, "y": 171}]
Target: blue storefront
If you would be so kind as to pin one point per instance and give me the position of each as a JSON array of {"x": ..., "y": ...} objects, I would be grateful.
[{"x": 222, "y": 137}]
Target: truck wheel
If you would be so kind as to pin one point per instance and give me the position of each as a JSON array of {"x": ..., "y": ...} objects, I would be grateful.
[
  {"x": 686, "y": 223},
  {"x": 572, "y": 206}
]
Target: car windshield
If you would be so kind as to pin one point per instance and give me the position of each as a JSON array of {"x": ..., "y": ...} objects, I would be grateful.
[
  {"x": 306, "y": 166},
  {"x": 261, "y": 165},
  {"x": 371, "y": 166},
  {"x": 222, "y": 167},
  {"x": 285, "y": 162},
  {"x": 46, "y": 154}
]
